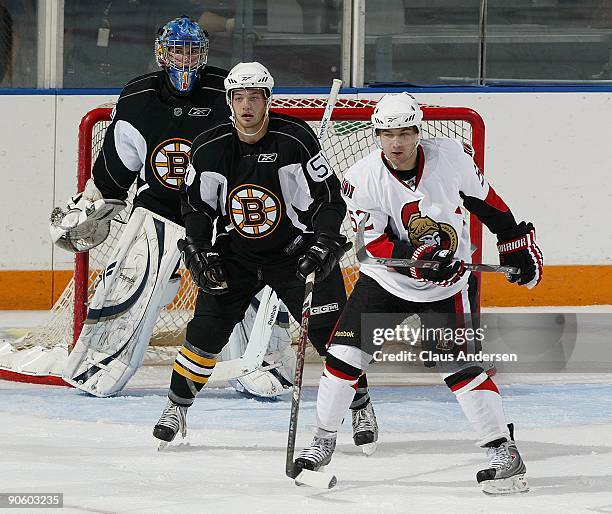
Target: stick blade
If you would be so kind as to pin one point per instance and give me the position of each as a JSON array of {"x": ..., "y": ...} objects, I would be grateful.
[{"x": 316, "y": 479}]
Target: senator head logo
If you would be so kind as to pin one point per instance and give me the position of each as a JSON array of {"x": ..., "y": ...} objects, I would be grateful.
[
  {"x": 254, "y": 210},
  {"x": 169, "y": 162},
  {"x": 424, "y": 230}
]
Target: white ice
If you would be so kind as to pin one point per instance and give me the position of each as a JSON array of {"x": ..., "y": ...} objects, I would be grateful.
[{"x": 100, "y": 452}]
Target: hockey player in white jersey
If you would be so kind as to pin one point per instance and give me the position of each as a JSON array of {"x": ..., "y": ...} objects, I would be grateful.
[{"x": 410, "y": 192}]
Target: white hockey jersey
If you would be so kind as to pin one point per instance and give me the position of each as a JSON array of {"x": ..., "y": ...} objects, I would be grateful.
[{"x": 426, "y": 210}]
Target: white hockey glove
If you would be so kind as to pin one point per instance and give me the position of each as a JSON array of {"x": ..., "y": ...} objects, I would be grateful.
[{"x": 86, "y": 221}]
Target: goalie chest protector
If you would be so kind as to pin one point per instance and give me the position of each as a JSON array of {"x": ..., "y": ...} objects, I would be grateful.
[{"x": 149, "y": 120}]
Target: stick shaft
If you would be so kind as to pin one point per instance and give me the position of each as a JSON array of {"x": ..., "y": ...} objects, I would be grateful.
[{"x": 299, "y": 373}]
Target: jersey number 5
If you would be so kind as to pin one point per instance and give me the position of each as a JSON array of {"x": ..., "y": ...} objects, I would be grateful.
[{"x": 318, "y": 168}]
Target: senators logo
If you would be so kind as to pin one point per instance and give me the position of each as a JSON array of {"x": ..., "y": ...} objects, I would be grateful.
[
  {"x": 169, "y": 162},
  {"x": 424, "y": 230},
  {"x": 255, "y": 212}
]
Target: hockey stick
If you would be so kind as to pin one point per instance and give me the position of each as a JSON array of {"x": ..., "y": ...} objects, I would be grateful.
[
  {"x": 257, "y": 345},
  {"x": 317, "y": 479},
  {"x": 364, "y": 258}
]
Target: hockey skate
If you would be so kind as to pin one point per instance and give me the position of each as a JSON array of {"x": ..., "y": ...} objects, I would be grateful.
[
  {"x": 173, "y": 419},
  {"x": 506, "y": 474},
  {"x": 365, "y": 429},
  {"x": 319, "y": 453}
]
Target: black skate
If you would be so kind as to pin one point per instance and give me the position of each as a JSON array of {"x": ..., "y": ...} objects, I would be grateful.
[
  {"x": 365, "y": 429},
  {"x": 318, "y": 454},
  {"x": 173, "y": 419},
  {"x": 506, "y": 474}
]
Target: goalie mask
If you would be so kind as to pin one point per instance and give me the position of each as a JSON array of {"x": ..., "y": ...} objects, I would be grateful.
[
  {"x": 181, "y": 48},
  {"x": 248, "y": 75}
]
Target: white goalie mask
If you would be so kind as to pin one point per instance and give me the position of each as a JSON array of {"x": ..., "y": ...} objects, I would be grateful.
[
  {"x": 397, "y": 110},
  {"x": 248, "y": 75}
]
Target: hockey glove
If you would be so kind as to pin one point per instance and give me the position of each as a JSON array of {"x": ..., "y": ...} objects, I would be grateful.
[
  {"x": 517, "y": 247},
  {"x": 449, "y": 270},
  {"x": 322, "y": 256},
  {"x": 204, "y": 264}
]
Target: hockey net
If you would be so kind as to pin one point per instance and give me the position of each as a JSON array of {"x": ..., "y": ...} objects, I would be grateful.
[{"x": 350, "y": 137}]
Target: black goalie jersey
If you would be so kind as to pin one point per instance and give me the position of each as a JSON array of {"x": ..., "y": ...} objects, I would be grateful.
[
  {"x": 267, "y": 194},
  {"x": 150, "y": 139}
]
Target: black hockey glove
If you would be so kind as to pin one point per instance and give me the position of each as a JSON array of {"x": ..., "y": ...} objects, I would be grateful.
[
  {"x": 322, "y": 256},
  {"x": 449, "y": 270},
  {"x": 517, "y": 247},
  {"x": 204, "y": 264}
]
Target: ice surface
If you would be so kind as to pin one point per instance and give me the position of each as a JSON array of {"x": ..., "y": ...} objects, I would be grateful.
[
  {"x": 100, "y": 452},
  {"x": 101, "y": 455}
]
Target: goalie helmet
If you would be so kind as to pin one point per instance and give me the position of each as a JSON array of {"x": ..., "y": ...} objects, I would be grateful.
[
  {"x": 397, "y": 110},
  {"x": 181, "y": 48},
  {"x": 252, "y": 75}
]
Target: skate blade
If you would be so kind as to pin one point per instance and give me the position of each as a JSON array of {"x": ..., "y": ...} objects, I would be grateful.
[
  {"x": 512, "y": 485},
  {"x": 317, "y": 479},
  {"x": 162, "y": 445},
  {"x": 368, "y": 448}
]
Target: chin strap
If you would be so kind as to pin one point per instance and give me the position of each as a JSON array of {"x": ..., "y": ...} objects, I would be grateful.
[
  {"x": 263, "y": 122},
  {"x": 392, "y": 164}
]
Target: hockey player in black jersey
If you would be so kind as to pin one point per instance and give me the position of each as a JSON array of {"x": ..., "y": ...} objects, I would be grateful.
[
  {"x": 149, "y": 140},
  {"x": 265, "y": 176}
]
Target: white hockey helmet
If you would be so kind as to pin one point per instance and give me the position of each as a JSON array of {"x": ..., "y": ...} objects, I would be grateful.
[
  {"x": 397, "y": 110},
  {"x": 248, "y": 75}
]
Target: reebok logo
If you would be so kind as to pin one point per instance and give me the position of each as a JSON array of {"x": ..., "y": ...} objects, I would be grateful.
[
  {"x": 344, "y": 333},
  {"x": 322, "y": 309},
  {"x": 199, "y": 111},
  {"x": 267, "y": 157},
  {"x": 272, "y": 317}
]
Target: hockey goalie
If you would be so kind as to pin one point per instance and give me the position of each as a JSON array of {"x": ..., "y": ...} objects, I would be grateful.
[{"x": 147, "y": 147}]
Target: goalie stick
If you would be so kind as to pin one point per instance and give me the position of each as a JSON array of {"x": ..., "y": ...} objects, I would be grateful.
[
  {"x": 364, "y": 258},
  {"x": 317, "y": 479}
]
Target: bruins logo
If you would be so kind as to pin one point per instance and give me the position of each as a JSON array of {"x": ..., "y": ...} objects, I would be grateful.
[
  {"x": 255, "y": 211},
  {"x": 424, "y": 230},
  {"x": 169, "y": 162}
]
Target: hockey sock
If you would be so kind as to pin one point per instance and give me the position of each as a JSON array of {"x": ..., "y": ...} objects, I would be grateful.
[
  {"x": 362, "y": 395},
  {"x": 192, "y": 369},
  {"x": 481, "y": 403},
  {"x": 336, "y": 391}
]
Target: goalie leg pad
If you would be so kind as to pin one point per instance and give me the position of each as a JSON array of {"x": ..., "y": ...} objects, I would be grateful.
[{"x": 123, "y": 311}]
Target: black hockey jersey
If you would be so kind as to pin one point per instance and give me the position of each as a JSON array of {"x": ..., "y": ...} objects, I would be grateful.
[
  {"x": 150, "y": 139},
  {"x": 268, "y": 193}
]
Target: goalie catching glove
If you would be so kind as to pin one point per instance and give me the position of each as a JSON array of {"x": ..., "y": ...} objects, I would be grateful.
[
  {"x": 517, "y": 247},
  {"x": 204, "y": 264},
  {"x": 86, "y": 222},
  {"x": 449, "y": 270},
  {"x": 323, "y": 256}
]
